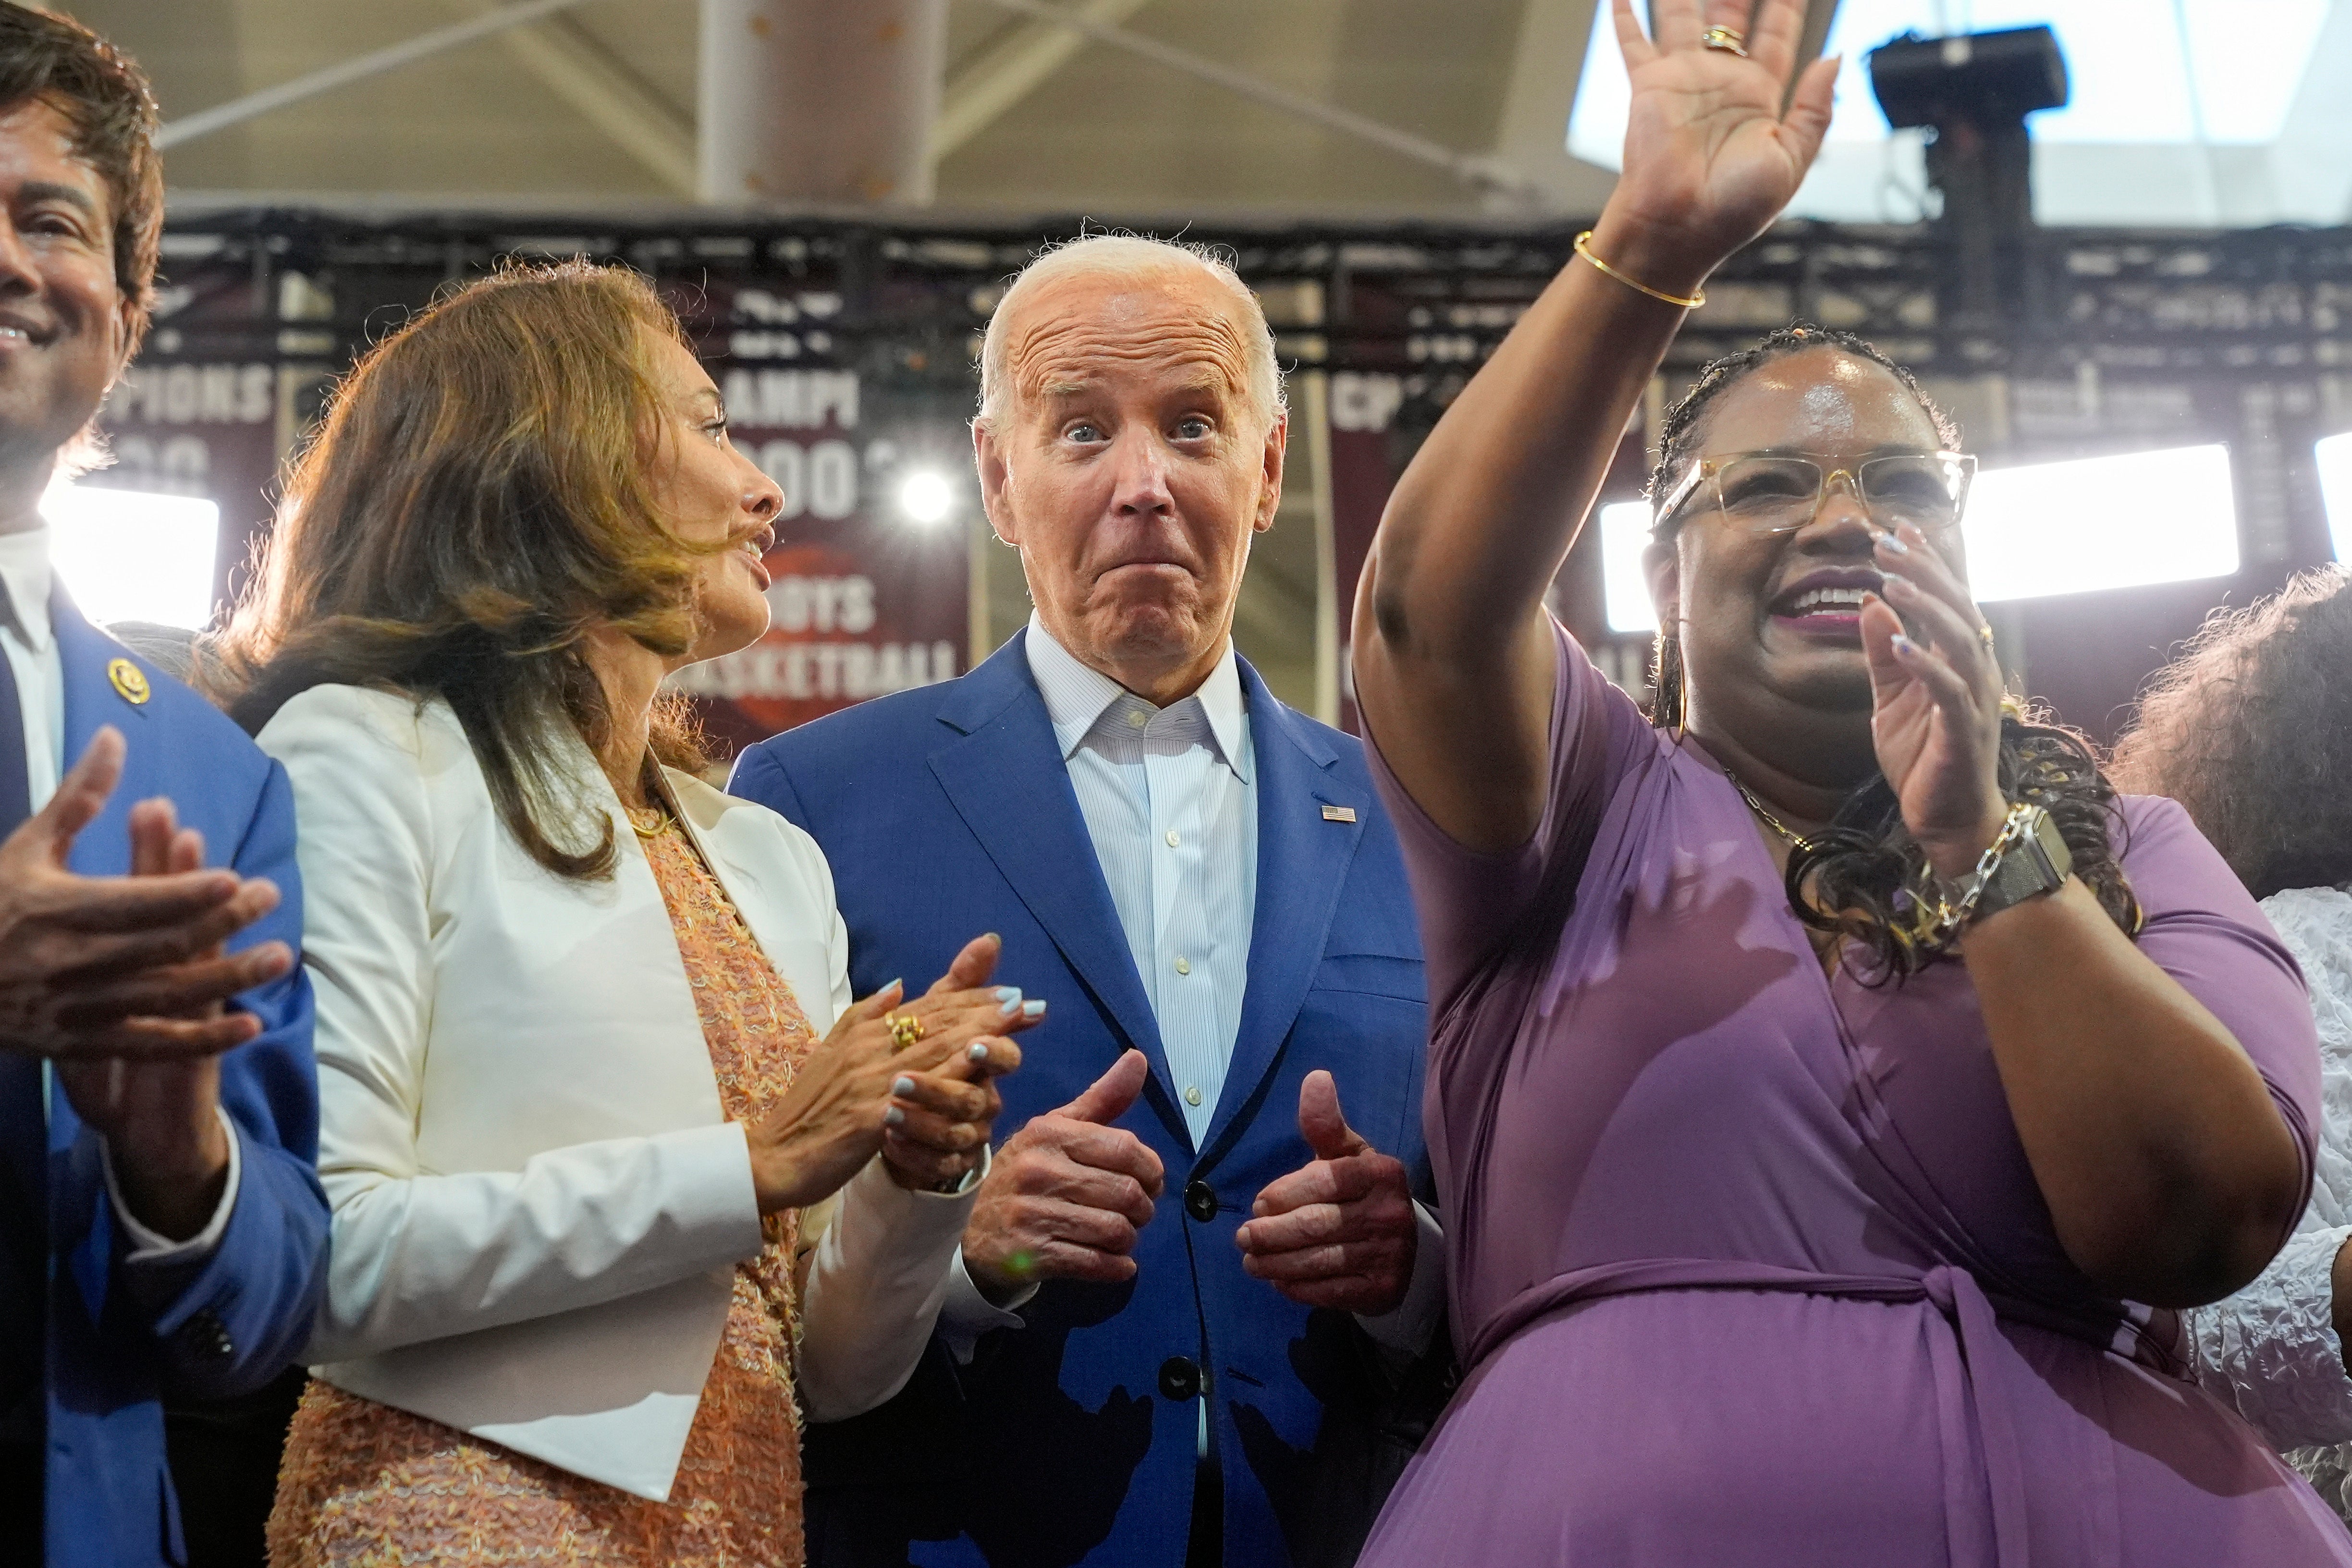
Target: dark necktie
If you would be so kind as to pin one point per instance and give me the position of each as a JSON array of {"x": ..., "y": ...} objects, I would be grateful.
[
  {"x": 24, "y": 1228},
  {"x": 15, "y": 781}
]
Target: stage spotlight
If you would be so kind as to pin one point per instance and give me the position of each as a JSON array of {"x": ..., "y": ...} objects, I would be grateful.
[
  {"x": 2333, "y": 456},
  {"x": 926, "y": 497},
  {"x": 2096, "y": 523},
  {"x": 1624, "y": 591},
  {"x": 128, "y": 555},
  {"x": 2075, "y": 527}
]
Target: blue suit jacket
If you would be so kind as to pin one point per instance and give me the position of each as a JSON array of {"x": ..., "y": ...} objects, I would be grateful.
[
  {"x": 946, "y": 811},
  {"x": 117, "y": 1338}
]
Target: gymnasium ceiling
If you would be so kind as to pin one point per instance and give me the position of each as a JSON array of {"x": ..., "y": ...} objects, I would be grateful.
[
  {"x": 598, "y": 103},
  {"x": 2214, "y": 113}
]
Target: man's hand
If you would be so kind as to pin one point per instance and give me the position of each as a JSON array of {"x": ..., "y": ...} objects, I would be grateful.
[
  {"x": 128, "y": 967},
  {"x": 160, "y": 1119},
  {"x": 1066, "y": 1193},
  {"x": 1340, "y": 1231}
]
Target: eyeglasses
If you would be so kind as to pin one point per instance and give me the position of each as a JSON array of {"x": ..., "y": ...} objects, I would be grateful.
[{"x": 1774, "y": 493}]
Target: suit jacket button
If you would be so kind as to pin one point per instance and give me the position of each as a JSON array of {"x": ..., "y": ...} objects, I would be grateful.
[
  {"x": 206, "y": 1332},
  {"x": 1201, "y": 1201},
  {"x": 1179, "y": 1378}
]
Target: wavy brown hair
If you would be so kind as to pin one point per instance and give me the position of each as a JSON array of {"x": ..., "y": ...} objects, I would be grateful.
[
  {"x": 478, "y": 501},
  {"x": 2251, "y": 728},
  {"x": 1854, "y": 877}
]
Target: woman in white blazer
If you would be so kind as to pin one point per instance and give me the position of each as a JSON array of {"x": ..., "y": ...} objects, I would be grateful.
[{"x": 623, "y": 1183}]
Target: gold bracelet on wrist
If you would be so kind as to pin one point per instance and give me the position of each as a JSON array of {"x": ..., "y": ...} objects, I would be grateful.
[{"x": 1584, "y": 248}]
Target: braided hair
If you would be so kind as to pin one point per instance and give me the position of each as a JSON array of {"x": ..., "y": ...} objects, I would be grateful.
[{"x": 1854, "y": 877}]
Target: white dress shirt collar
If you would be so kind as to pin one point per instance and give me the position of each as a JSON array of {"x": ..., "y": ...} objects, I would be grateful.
[
  {"x": 1078, "y": 697},
  {"x": 25, "y": 578}
]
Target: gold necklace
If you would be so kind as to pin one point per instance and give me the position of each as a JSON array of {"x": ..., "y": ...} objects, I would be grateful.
[{"x": 1796, "y": 840}]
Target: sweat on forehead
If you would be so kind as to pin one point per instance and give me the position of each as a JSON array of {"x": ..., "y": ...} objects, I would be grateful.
[
  {"x": 1112, "y": 297},
  {"x": 1823, "y": 398}
]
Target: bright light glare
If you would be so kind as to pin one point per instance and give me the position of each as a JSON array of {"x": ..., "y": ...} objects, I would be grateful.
[
  {"x": 926, "y": 497},
  {"x": 128, "y": 555},
  {"x": 2334, "y": 458},
  {"x": 2200, "y": 73},
  {"x": 2095, "y": 523},
  {"x": 1624, "y": 590},
  {"x": 2053, "y": 528}
]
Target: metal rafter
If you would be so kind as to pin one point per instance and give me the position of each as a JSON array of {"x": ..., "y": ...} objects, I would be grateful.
[
  {"x": 1007, "y": 71},
  {"x": 359, "y": 68},
  {"x": 1478, "y": 170},
  {"x": 574, "y": 65}
]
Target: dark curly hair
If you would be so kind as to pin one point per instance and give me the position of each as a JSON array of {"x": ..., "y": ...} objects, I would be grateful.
[
  {"x": 105, "y": 98},
  {"x": 2250, "y": 729},
  {"x": 1854, "y": 877}
]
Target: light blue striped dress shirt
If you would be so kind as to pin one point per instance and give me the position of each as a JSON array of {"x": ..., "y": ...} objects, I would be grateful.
[
  {"x": 1170, "y": 802},
  {"x": 1169, "y": 799}
]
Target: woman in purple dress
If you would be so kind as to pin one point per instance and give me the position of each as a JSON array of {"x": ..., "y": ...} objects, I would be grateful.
[{"x": 1827, "y": 1080}]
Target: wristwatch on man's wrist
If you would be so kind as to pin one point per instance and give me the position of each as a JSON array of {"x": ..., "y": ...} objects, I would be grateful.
[{"x": 2028, "y": 859}]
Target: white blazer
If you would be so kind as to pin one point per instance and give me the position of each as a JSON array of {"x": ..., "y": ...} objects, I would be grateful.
[{"x": 538, "y": 1203}]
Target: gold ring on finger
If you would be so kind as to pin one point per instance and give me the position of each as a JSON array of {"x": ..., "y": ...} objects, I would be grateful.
[
  {"x": 1984, "y": 635},
  {"x": 905, "y": 1029},
  {"x": 1730, "y": 40}
]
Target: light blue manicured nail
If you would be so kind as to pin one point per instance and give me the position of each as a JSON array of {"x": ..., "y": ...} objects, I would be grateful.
[
  {"x": 889, "y": 985},
  {"x": 1893, "y": 545},
  {"x": 1034, "y": 1009},
  {"x": 1904, "y": 644},
  {"x": 978, "y": 1051},
  {"x": 892, "y": 1117},
  {"x": 1008, "y": 999},
  {"x": 903, "y": 1085}
]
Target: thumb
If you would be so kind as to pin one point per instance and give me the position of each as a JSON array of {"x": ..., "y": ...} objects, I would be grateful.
[
  {"x": 1108, "y": 1098},
  {"x": 1807, "y": 120},
  {"x": 973, "y": 967},
  {"x": 1880, "y": 625},
  {"x": 82, "y": 794},
  {"x": 871, "y": 1006},
  {"x": 1319, "y": 1121}
]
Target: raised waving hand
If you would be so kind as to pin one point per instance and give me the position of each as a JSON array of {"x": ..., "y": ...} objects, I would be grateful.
[
  {"x": 1453, "y": 653},
  {"x": 1710, "y": 159}
]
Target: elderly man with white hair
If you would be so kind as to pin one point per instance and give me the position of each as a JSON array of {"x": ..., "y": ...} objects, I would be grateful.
[{"x": 1189, "y": 1322}]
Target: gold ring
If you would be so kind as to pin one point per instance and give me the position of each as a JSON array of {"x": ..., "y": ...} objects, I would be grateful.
[
  {"x": 1730, "y": 40},
  {"x": 1984, "y": 635},
  {"x": 905, "y": 1029}
]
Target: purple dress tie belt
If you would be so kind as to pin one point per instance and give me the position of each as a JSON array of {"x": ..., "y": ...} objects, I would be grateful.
[{"x": 1969, "y": 1363}]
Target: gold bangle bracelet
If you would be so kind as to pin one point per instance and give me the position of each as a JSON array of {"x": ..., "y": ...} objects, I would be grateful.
[{"x": 1584, "y": 248}]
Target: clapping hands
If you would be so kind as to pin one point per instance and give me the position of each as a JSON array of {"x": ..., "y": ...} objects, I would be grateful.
[
  {"x": 925, "y": 1103},
  {"x": 123, "y": 968}
]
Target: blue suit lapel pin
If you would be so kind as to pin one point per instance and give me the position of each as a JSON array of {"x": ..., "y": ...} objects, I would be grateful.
[
  {"x": 1339, "y": 814},
  {"x": 130, "y": 683}
]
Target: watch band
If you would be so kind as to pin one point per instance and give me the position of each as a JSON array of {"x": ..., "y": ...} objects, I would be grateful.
[{"x": 2037, "y": 862}]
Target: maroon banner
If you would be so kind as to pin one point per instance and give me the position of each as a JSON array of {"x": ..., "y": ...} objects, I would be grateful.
[
  {"x": 200, "y": 412},
  {"x": 863, "y": 599}
]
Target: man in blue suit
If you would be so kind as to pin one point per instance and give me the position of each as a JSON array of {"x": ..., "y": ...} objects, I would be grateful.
[
  {"x": 160, "y": 1227},
  {"x": 1203, "y": 884}
]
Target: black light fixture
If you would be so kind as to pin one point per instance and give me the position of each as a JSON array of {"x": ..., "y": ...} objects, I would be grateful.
[{"x": 1973, "y": 92}]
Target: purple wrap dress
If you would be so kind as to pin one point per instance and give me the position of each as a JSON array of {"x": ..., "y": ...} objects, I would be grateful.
[{"x": 1747, "y": 1263}]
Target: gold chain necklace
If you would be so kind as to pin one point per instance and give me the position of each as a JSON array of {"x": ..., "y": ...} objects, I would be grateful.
[{"x": 1796, "y": 840}]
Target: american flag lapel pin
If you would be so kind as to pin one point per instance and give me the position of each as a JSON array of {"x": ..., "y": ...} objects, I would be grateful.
[{"x": 1339, "y": 814}]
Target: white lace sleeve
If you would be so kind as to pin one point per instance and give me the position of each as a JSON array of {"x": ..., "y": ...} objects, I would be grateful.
[{"x": 2271, "y": 1350}]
